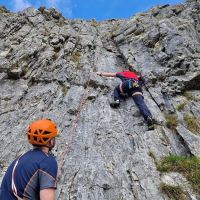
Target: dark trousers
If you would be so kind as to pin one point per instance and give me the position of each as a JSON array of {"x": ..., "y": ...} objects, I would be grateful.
[{"x": 138, "y": 99}]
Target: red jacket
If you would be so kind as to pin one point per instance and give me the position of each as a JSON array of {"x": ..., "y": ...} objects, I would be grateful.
[{"x": 127, "y": 75}]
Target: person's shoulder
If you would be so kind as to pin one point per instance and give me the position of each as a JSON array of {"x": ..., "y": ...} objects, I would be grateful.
[
  {"x": 49, "y": 165},
  {"x": 42, "y": 158},
  {"x": 35, "y": 155},
  {"x": 50, "y": 159},
  {"x": 118, "y": 74}
]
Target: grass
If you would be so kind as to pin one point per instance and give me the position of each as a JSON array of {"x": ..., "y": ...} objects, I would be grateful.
[
  {"x": 55, "y": 55},
  {"x": 190, "y": 97},
  {"x": 171, "y": 121},
  {"x": 173, "y": 192},
  {"x": 112, "y": 31},
  {"x": 46, "y": 31},
  {"x": 189, "y": 167},
  {"x": 2, "y": 164},
  {"x": 76, "y": 57},
  {"x": 181, "y": 106},
  {"x": 152, "y": 155},
  {"x": 3, "y": 9},
  {"x": 94, "y": 23},
  {"x": 192, "y": 123},
  {"x": 61, "y": 23}
]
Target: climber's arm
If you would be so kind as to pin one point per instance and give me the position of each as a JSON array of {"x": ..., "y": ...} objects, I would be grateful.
[{"x": 107, "y": 74}]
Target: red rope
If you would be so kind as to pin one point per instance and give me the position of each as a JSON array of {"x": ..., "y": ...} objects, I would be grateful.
[
  {"x": 73, "y": 128},
  {"x": 74, "y": 122}
]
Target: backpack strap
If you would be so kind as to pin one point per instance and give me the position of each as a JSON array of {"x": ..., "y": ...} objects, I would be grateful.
[
  {"x": 121, "y": 89},
  {"x": 14, "y": 189}
]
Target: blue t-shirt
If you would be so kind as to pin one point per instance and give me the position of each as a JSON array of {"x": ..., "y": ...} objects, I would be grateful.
[{"x": 35, "y": 171}]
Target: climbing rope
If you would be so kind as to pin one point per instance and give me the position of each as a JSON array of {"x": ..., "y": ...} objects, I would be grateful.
[
  {"x": 75, "y": 121},
  {"x": 73, "y": 126}
]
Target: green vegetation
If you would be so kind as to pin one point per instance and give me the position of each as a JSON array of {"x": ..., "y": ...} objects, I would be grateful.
[
  {"x": 192, "y": 123},
  {"x": 61, "y": 23},
  {"x": 64, "y": 90},
  {"x": 94, "y": 23},
  {"x": 2, "y": 164},
  {"x": 55, "y": 55},
  {"x": 46, "y": 31},
  {"x": 2, "y": 10},
  {"x": 152, "y": 155},
  {"x": 76, "y": 57},
  {"x": 190, "y": 97},
  {"x": 173, "y": 192},
  {"x": 181, "y": 106},
  {"x": 112, "y": 31},
  {"x": 189, "y": 167},
  {"x": 162, "y": 77},
  {"x": 44, "y": 40},
  {"x": 171, "y": 121}
]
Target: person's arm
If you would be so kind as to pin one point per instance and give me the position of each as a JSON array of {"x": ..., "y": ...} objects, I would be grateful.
[
  {"x": 47, "y": 194},
  {"x": 47, "y": 178},
  {"x": 107, "y": 74}
]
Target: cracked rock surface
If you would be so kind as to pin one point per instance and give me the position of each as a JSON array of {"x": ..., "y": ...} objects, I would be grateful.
[{"x": 48, "y": 68}]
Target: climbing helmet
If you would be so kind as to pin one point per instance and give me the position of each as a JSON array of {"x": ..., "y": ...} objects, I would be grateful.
[{"x": 40, "y": 132}]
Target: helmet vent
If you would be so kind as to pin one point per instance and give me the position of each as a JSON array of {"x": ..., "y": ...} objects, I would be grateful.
[
  {"x": 40, "y": 130},
  {"x": 45, "y": 139},
  {"x": 35, "y": 138},
  {"x": 46, "y": 132},
  {"x": 35, "y": 133}
]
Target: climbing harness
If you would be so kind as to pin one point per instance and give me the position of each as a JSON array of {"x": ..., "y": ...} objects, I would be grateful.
[
  {"x": 132, "y": 84},
  {"x": 121, "y": 89},
  {"x": 137, "y": 93}
]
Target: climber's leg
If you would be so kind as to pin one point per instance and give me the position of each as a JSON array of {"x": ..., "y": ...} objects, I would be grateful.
[
  {"x": 139, "y": 101},
  {"x": 116, "y": 95}
]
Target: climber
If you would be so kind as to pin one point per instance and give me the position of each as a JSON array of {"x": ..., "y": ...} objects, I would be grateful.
[
  {"x": 132, "y": 86},
  {"x": 33, "y": 174}
]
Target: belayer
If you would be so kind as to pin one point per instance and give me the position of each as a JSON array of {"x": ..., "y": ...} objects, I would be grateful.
[
  {"x": 131, "y": 85},
  {"x": 33, "y": 174}
]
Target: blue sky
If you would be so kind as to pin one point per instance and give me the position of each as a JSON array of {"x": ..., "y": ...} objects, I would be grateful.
[{"x": 90, "y": 9}]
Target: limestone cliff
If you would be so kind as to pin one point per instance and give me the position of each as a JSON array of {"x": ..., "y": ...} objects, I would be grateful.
[{"x": 48, "y": 68}]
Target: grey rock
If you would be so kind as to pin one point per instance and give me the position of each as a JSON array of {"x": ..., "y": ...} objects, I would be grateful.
[
  {"x": 48, "y": 68},
  {"x": 190, "y": 139}
]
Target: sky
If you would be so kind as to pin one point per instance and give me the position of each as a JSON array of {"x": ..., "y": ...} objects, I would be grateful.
[{"x": 90, "y": 9}]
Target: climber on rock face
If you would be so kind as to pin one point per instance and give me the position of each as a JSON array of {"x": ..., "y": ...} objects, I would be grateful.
[
  {"x": 33, "y": 174},
  {"x": 132, "y": 86}
]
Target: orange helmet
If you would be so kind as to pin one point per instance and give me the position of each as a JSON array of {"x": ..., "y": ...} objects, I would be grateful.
[{"x": 41, "y": 132}]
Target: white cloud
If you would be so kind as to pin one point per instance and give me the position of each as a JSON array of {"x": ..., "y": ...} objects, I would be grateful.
[{"x": 19, "y": 5}]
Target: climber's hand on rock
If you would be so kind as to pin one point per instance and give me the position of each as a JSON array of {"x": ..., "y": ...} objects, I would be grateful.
[{"x": 99, "y": 73}]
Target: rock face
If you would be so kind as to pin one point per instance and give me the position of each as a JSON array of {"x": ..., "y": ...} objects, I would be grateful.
[{"x": 48, "y": 68}]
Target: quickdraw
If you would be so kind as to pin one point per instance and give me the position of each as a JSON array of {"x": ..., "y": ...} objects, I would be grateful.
[{"x": 133, "y": 84}]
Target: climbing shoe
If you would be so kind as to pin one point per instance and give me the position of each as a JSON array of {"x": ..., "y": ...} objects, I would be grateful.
[
  {"x": 115, "y": 103},
  {"x": 150, "y": 123}
]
